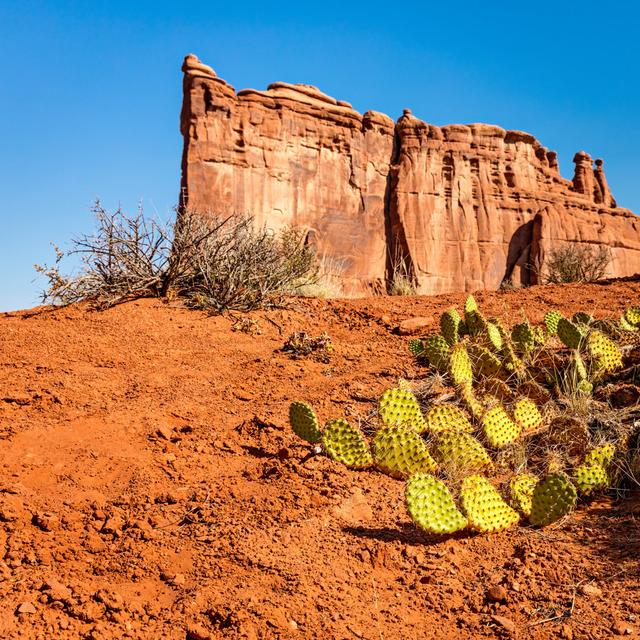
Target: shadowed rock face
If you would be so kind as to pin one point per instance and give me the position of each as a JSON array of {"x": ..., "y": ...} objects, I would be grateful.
[{"x": 457, "y": 207}]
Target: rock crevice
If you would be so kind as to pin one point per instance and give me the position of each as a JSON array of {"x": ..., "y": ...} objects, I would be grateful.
[{"x": 453, "y": 208}]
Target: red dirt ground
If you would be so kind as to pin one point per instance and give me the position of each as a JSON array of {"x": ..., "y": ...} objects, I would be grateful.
[{"x": 152, "y": 488}]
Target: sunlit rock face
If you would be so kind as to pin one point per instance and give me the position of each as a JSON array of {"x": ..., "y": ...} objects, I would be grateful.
[{"x": 456, "y": 208}]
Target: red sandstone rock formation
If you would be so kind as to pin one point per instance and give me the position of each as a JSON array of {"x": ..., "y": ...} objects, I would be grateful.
[{"x": 457, "y": 207}]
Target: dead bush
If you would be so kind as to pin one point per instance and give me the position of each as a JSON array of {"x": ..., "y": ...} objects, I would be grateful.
[
  {"x": 212, "y": 262},
  {"x": 576, "y": 263}
]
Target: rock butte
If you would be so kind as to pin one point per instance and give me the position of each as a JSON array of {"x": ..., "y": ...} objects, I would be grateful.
[{"x": 458, "y": 208}]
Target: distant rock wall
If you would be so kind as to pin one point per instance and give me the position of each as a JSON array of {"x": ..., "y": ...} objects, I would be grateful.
[{"x": 455, "y": 208}]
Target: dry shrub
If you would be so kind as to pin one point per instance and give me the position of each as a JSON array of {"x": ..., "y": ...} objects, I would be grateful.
[
  {"x": 576, "y": 263},
  {"x": 212, "y": 262}
]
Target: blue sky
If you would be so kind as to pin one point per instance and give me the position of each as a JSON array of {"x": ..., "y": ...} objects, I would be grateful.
[{"x": 90, "y": 92}]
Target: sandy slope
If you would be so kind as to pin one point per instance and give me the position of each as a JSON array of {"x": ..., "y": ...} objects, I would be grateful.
[{"x": 152, "y": 489}]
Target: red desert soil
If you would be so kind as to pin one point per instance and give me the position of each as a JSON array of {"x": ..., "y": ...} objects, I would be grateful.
[{"x": 152, "y": 488}]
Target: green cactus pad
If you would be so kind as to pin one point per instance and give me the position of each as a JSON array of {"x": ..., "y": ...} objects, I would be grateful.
[
  {"x": 399, "y": 406},
  {"x": 551, "y": 319},
  {"x": 304, "y": 422},
  {"x": 499, "y": 429},
  {"x": 604, "y": 351},
  {"x": 460, "y": 367},
  {"x": 553, "y": 498},
  {"x": 521, "y": 490},
  {"x": 632, "y": 316},
  {"x": 416, "y": 347},
  {"x": 591, "y": 477},
  {"x": 570, "y": 333},
  {"x": 468, "y": 396},
  {"x": 346, "y": 444},
  {"x": 447, "y": 417},
  {"x": 485, "y": 509},
  {"x": 400, "y": 451},
  {"x": 437, "y": 351},
  {"x": 493, "y": 336},
  {"x": 526, "y": 415},
  {"x": 523, "y": 337},
  {"x": 431, "y": 505},
  {"x": 450, "y": 326},
  {"x": 584, "y": 386},
  {"x": 460, "y": 453},
  {"x": 579, "y": 366},
  {"x": 581, "y": 317},
  {"x": 625, "y": 325},
  {"x": 484, "y": 362},
  {"x": 602, "y": 455}
]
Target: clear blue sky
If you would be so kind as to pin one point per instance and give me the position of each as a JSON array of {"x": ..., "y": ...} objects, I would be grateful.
[{"x": 90, "y": 92}]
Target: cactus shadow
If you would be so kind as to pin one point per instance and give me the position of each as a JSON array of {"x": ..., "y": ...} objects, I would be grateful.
[{"x": 406, "y": 534}]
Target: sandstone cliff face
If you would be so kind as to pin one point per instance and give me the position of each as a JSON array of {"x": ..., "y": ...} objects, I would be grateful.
[{"x": 455, "y": 208}]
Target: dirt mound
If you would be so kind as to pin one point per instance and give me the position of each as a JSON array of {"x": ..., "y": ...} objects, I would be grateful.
[{"x": 151, "y": 487}]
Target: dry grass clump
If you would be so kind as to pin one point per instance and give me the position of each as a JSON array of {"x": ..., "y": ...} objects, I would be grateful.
[
  {"x": 576, "y": 263},
  {"x": 211, "y": 262}
]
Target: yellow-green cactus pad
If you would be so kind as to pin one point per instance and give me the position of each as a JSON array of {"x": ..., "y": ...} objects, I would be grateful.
[
  {"x": 493, "y": 336},
  {"x": 399, "y": 406},
  {"x": 416, "y": 348},
  {"x": 570, "y": 333},
  {"x": 632, "y": 316},
  {"x": 447, "y": 417},
  {"x": 400, "y": 451},
  {"x": 437, "y": 351},
  {"x": 625, "y": 325},
  {"x": 521, "y": 492},
  {"x": 468, "y": 396},
  {"x": 344, "y": 443},
  {"x": 579, "y": 366},
  {"x": 526, "y": 415},
  {"x": 450, "y": 326},
  {"x": 523, "y": 337},
  {"x": 484, "y": 507},
  {"x": 304, "y": 422},
  {"x": 484, "y": 362},
  {"x": 499, "y": 429},
  {"x": 551, "y": 319},
  {"x": 460, "y": 453},
  {"x": 553, "y": 498},
  {"x": 604, "y": 351},
  {"x": 602, "y": 455},
  {"x": 591, "y": 477},
  {"x": 460, "y": 367},
  {"x": 431, "y": 505}
]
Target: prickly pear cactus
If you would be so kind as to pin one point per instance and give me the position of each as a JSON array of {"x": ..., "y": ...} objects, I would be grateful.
[
  {"x": 493, "y": 336},
  {"x": 526, "y": 415},
  {"x": 431, "y": 505},
  {"x": 571, "y": 334},
  {"x": 460, "y": 367},
  {"x": 523, "y": 337},
  {"x": 304, "y": 422},
  {"x": 580, "y": 317},
  {"x": 591, "y": 477},
  {"x": 473, "y": 319},
  {"x": 632, "y": 316},
  {"x": 400, "y": 407},
  {"x": 551, "y": 319},
  {"x": 447, "y": 417},
  {"x": 416, "y": 347},
  {"x": 437, "y": 351},
  {"x": 484, "y": 362},
  {"x": 485, "y": 509},
  {"x": 450, "y": 326},
  {"x": 604, "y": 351},
  {"x": 553, "y": 498},
  {"x": 625, "y": 325},
  {"x": 602, "y": 455},
  {"x": 468, "y": 396},
  {"x": 459, "y": 453},
  {"x": 499, "y": 429},
  {"x": 521, "y": 492},
  {"x": 400, "y": 451},
  {"x": 344, "y": 443}
]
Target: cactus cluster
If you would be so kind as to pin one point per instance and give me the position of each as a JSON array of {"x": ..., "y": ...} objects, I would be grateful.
[{"x": 451, "y": 455}]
